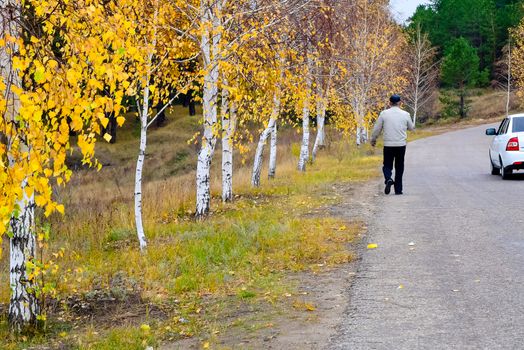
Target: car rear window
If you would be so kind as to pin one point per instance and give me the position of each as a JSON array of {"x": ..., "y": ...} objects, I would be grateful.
[{"x": 518, "y": 124}]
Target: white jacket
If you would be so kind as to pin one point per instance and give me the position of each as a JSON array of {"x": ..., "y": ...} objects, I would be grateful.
[{"x": 395, "y": 122}]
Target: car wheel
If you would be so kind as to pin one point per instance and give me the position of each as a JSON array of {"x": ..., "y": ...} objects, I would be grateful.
[
  {"x": 494, "y": 169},
  {"x": 506, "y": 173}
]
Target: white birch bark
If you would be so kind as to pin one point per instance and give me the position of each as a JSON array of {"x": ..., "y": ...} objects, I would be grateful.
[
  {"x": 209, "y": 48},
  {"x": 277, "y": 102},
  {"x": 361, "y": 129},
  {"x": 321, "y": 118},
  {"x": 269, "y": 130},
  {"x": 304, "y": 149},
  {"x": 139, "y": 168},
  {"x": 24, "y": 306},
  {"x": 273, "y": 152},
  {"x": 259, "y": 155},
  {"x": 143, "y": 140},
  {"x": 228, "y": 112}
]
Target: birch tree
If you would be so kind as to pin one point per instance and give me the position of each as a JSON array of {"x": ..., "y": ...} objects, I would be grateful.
[
  {"x": 503, "y": 71},
  {"x": 326, "y": 42},
  {"x": 370, "y": 65},
  {"x": 306, "y": 111},
  {"x": 155, "y": 55},
  {"x": 274, "y": 97},
  {"x": 517, "y": 67},
  {"x": 306, "y": 24},
  {"x": 43, "y": 98},
  {"x": 423, "y": 72},
  {"x": 24, "y": 306},
  {"x": 276, "y": 78},
  {"x": 228, "y": 114}
]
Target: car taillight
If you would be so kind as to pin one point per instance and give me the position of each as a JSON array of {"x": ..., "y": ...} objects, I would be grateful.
[{"x": 513, "y": 144}]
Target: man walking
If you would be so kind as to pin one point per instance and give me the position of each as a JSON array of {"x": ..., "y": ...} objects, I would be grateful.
[{"x": 395, "y": 122}]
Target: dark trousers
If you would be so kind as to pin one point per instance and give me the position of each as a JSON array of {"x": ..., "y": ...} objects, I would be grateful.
[{"x": 394, "y": 155}]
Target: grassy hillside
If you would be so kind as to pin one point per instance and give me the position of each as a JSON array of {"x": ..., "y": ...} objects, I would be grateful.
[{"x": 484, "y": 104}]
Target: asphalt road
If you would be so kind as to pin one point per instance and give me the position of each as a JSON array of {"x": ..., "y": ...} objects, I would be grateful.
[{"x": 461, "y": 285}]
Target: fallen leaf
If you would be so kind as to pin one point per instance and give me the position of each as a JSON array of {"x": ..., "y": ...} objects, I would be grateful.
[
  {"x": 372, "y": 246},
  {"x": 310, "y": 307}
]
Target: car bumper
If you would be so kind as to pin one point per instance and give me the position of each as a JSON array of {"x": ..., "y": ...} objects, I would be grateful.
[{"x": 513, "y": 160}]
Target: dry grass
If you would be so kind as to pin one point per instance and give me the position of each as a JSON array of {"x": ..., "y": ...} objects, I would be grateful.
[{"x": 486, "y": 105}]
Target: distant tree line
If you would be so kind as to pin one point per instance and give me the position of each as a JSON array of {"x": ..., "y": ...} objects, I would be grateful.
[{"x": 472, "y": 38}]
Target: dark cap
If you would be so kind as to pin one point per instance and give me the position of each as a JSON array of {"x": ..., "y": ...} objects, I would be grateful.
[{"x": 395, "y": 99}]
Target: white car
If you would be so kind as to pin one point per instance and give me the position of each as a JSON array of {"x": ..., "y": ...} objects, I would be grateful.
[{"x": 507, "y": 149}]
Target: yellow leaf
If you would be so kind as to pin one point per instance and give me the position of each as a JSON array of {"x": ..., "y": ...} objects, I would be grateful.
[
  {"x": 60, "y": 208},
  {"x": 104, "y": 121},
  {"x": 372, "y": 246},
  {"x": 39, "y": 75},
  {"x": 205, "y": 345},
  {"x": 310, "y": 307},
  {"x": 40, "y": 201},
  {"x": 35, "y": 165},
  {"x": 107, "y": 137},
  {"x": 120, "y": 120},
  {"x": 71, "y": 77},
  {"x": 29, "y": 191}
]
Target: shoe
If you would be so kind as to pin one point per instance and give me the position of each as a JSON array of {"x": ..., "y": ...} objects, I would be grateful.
[
  {"x": 389, "y": 183},
  {"x": 399, "y": 193}
]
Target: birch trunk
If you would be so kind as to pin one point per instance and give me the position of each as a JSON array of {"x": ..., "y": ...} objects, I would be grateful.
[
  {"x": 209, "y": 50},
  {"x": 270, "y": 130},
  {"x": 273, "y": 152},
  {"x": 139, "y": 168},
  {"x": 228, "y": 129},
  {"x": 24, "y": 306},
  {"x": 259, "y": 155},
  {"x": 143, "y": 141},
  {"x": 361, "y": 130},
  {"x": 321, "y": 117},
  {"x": 304, "y": 149},
  {"x": 273, "y": 148}
]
